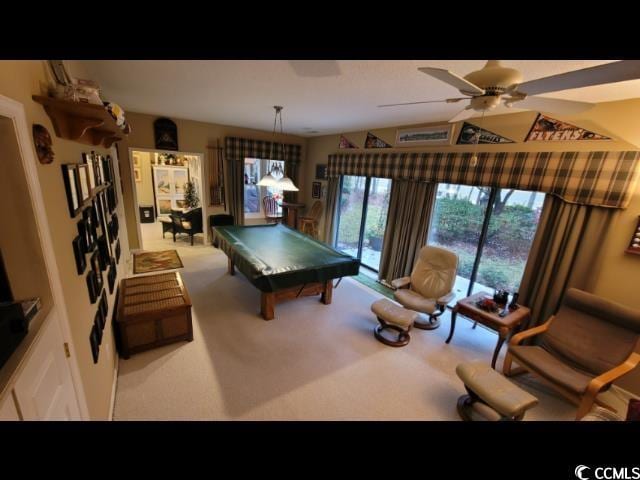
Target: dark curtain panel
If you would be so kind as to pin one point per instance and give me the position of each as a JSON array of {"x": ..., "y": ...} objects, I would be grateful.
[
  {"x": 410, "y": 207},
  {"x": 333, "y": 193},
  {"x": 563, "y": 254},
  {"x": 236, "y": 192}
]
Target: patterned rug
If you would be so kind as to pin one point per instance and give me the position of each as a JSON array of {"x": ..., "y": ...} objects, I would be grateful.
[{"x": 146, "y": 262}]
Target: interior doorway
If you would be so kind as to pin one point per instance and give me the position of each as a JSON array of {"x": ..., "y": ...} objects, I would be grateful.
[{"x": 159, "y": 183}]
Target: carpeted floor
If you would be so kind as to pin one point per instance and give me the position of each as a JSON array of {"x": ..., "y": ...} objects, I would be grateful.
[{"x": 312, "y": 362}]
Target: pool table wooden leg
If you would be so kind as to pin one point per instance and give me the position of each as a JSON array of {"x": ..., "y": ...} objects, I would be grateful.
[
  {"x": 267, "y": 305},
  {"x": 327, "y": 292},
  {"x": 230, "y": 268}
]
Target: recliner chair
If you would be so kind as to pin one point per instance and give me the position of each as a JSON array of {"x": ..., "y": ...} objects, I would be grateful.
[
  {"x": 581, "y": 350},
  {"x": 430, "y": 287}
]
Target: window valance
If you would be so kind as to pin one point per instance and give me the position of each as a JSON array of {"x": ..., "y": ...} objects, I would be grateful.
[
  {"x": 588, "y": 178},
  {"x": 237, "y": 149}
]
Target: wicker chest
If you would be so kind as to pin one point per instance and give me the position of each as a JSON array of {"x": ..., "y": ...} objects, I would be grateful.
[{"x": 152, "y": 311}]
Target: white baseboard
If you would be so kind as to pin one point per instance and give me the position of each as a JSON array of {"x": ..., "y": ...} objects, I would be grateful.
[{"x": 112, "y": 403}]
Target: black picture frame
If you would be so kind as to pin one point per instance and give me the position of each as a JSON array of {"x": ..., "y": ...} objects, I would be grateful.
[
  {"x": 87, "y": 159},
  {"x": 95, "y": 268},
  {"x": 72, "y": 188},
  {"x": 106, "y": 168},
  {"x": 104, "y": 304},
  {"x": 118, "y": 251},
  {"x": 103, "y": 252},
  {"x": 92, "y": 286},
  {"x": 86, "y": 237},
  {"x": 114, "y": 227},
  {"x": 93, "y": 342},
  {"x": 98, "y": 324},
  {"x": 321, "y": 171},
  {"x": 78, "y": 253},
  {"x": 111, "y": 275},
  {"x": 316, "y": 190},
  {"x": 165, "y": 134}
]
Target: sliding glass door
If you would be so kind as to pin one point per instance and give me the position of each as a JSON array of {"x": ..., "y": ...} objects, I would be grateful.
[
  {"x": 491, "y": 230},
  {"x": 364, "y": 203}
]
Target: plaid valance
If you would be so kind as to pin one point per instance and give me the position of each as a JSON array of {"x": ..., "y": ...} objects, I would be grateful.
[
  {"x": 237, "y": 149},
  {"x": 589, "y": 178}
]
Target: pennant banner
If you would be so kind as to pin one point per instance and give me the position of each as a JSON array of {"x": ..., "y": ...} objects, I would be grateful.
[
  {"x": 374, "y": 142},
  {"x": 546, "y": 129},
  {"x": 345, "y": 143},
  {"x": 469, "y": 135}
]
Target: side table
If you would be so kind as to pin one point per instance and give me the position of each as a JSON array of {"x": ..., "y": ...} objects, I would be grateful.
[{"x": 505, "y": 326}]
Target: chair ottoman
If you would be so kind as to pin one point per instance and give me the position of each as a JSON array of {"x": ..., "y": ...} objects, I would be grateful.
[
  {"x": 491, "y": 394},
  {"x": 393, "y": 317},
  {"x": 167, "y": 225}
]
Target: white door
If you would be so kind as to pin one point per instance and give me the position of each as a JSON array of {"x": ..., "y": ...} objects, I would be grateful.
[{"x": 44, "y": 389}]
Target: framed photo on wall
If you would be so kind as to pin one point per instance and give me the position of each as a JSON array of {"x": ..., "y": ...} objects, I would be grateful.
[
  {"x": 316, "y": 190},
  {"x": 321, "y": 171},
  {"x": 83, "y": 177}
]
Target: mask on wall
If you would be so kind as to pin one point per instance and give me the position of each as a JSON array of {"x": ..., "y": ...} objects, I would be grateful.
[{"x": 42, "y": 140}]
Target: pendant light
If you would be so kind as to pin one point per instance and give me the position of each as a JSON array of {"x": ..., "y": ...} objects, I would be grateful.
[{"x": 276, "y": 177}]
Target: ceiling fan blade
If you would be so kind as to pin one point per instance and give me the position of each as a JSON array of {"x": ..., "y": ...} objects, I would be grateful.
[
  {"x": 454, "y": 80},
  {"x": 463, "y": 115},
  {"x": 448, "y": 100},
  {"x": 586, "y": 77},
  {"x": 553, "y": 105}
]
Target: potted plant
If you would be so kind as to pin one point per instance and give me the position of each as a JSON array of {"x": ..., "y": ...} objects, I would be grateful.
[{"x": 375, "y": 236}]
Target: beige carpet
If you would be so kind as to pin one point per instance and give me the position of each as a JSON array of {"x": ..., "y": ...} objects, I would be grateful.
[{"x": 312, "y": 362}]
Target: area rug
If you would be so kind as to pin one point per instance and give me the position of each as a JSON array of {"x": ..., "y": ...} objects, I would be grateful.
[{"x": 146, "y": 262}]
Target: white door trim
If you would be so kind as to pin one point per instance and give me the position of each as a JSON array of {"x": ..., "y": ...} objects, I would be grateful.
[
  {"x": 15, "y": 111},
  {"x": 204, "y": 201}
]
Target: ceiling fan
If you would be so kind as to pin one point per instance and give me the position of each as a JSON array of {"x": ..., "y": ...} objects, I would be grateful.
[{"x": 495, "y": 84}]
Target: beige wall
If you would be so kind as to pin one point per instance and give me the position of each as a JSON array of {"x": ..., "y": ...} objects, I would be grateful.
[
  {"x": 620, "y": 272},
  {"x": 20, "y": 80},
  {"x": 193, "y": 137}
]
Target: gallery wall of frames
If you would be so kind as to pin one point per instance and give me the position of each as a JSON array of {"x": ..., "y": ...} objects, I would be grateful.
[{"x": 92, "y": 200}]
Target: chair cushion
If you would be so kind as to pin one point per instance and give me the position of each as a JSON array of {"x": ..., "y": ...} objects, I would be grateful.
[
  {"x": 555, "y": 370},
  {"x": 186, "y": 225},
  {"x": 165, "y": 220},
  {"x": 415, "y": 301},
  {"x": 435, "y": 272},
  {"x": 494, "y": 389},
  {"x": 392, "y": 313}
]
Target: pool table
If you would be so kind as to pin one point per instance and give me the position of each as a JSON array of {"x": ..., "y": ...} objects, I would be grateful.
[{"x": 282, "y": 262}]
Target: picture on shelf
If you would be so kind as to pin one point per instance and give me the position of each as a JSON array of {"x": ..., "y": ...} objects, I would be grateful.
[
  {"x": 88, "y": 161},
  {"x": 86, "y": 237},
  {"x": 71, "y": 185},
  {"x": 78, "y": 253},
  {"x": 83, "y": 176},
  {"x": 100, "y": 168}
]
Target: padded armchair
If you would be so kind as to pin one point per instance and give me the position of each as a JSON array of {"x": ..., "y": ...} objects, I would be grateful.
[
  {"x": 189, "y": 222},
  {"x": 430, "y": 287},
  {"x": 581, "y": 350}
]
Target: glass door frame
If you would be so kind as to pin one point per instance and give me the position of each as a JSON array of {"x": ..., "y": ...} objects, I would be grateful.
[{"x": 363, "y": 218}]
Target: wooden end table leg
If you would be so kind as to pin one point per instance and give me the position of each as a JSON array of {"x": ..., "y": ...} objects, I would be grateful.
[
  {"x": 454, "y": 313},
  {"x": 230, "y": 269},
  {"x": 501, "y": 339},
  {"x": 327, "y": 293},
  {"x": 267, "y": 305}
]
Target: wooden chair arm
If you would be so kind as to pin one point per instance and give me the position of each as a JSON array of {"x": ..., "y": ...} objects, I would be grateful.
[
  {"x": 519, "y": 337},
  {"x": 609, "y": 376},
  {"x": 402, "y": 282}
]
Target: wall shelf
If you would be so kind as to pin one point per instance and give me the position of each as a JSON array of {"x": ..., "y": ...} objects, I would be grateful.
[{"x": 81, "y": 122}]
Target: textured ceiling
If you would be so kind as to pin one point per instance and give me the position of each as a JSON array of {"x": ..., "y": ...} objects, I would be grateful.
[{"x": 319, "y": 97}]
